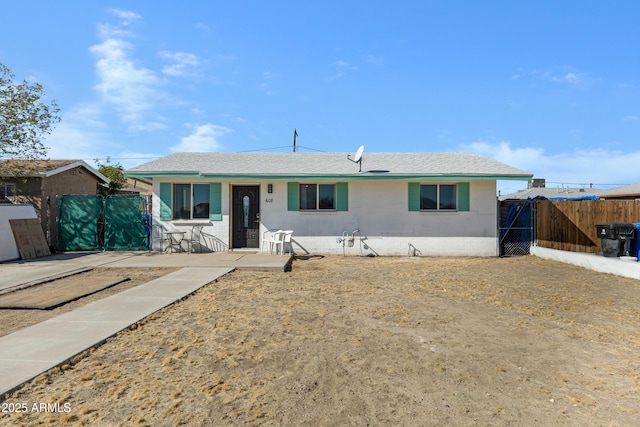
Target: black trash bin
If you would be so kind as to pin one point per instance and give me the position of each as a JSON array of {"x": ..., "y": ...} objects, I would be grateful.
[{"x": 615, "y": 238}]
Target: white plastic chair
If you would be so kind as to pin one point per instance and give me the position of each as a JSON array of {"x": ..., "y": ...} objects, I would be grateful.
[
  {"x": 274, "y": 241},
  {"x": 286, "y": 242}
]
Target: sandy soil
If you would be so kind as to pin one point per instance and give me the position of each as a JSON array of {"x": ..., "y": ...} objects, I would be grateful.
[{"x": 367, "y": 341}]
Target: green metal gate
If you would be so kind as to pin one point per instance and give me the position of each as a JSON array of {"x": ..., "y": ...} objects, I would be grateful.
[
  {"x": 89, "y": 223},
  {"x": 124, "y": 224},
  {"x": 79, "y": 218}
]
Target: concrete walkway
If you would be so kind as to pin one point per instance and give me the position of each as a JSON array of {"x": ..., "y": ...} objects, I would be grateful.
[{"x": 29, "y": 352}]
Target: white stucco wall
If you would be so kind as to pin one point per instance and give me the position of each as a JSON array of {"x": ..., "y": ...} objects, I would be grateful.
[
  {"x": 379, "y": 211},
  {"x": 8, "y": 247}
]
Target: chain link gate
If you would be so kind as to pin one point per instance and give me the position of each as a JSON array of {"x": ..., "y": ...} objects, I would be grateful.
[
  {"x": 89, "y": 223},
  {"x": 516, "y": 226}
]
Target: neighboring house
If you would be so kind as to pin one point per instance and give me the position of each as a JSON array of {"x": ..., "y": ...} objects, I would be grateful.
[
  {"x": 46, "y": 180},
  {"x": 551, "y": 193},
  {"x": 631, "y": 191},
  {"x": 138, "y": 186},
  {"x": 399, "y": 203},
  {"x": 537, "y": 188}
]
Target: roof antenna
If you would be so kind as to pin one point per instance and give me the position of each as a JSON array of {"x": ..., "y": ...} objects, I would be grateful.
[
  {"x": 295, "y": 134},
  {"x": 358, "y": 157}
]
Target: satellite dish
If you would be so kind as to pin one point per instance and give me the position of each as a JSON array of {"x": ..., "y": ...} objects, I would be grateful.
[{"x": 358, "y": 156}]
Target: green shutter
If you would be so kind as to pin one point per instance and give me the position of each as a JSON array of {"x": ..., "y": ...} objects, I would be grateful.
[
  {"x": 463, "y": 197},
  {"x": 165, "y": 201},
  {"x": 342, "y": 196},
  {"x": 414, "y": 196},
  {"x": 293, "y": 196},
  {"x": 215, "y": 201}
]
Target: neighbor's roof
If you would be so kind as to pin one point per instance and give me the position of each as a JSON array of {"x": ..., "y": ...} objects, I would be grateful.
[
  {"x": 292, "y": 165},
  {"x": 551, "y": 193},
  {"x": 628, "y": 191},
  {"x": 47, "y": 168}
]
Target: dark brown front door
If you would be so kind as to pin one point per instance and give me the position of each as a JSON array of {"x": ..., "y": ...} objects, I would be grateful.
[{"x": 246, "y": 216}]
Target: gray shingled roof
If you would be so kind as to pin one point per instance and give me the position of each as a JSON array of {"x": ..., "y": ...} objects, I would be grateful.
[
  {"x": 46, "y": 168},
  {"x": 631, "y": 190},
  {"x": 550, "y": 192},
  {"x": 327, "y": 164}
]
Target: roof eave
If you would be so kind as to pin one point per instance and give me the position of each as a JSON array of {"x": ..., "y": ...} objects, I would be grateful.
[
  {"x": 351, "y": 177},
  {"x": 612, "y": 196},
  {"x": 80, "y": 163},
  {"x": 151, "y": 175}
]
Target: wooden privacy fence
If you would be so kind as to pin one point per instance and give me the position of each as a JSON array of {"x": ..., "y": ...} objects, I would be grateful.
[{"x": 570, "y": 225}]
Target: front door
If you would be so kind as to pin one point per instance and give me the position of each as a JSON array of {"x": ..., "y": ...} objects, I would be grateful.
[{"x": 246, "y": 216}]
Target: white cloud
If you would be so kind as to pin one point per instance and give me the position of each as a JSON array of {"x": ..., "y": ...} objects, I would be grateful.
[
  {"x": 203, "y": 27},
  {"x": 129, "y": 87},
  {"x": 83, "y": 134},
  {"x": 126, "y": 15},
  {"x": 106, "y": 31},
  {"x": 630, "y": 118},
  {"x": 70, "y": 142},
  {"x": 557, "y": 75},
  {"x": 374, "y": 59},
  {"x": 184, "y": 64},
  {"x": 78, "y": 135},
  {"x": 503, "y": 152},
  {"x": 571, "y": 78},
  {"x": 342, "y": 67},
  {"x": 202, "y": 138},
  {"x": 601, "y": 167}
]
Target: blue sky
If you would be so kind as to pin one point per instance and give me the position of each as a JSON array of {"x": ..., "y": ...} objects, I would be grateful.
[{"x": 551, "y": 87}]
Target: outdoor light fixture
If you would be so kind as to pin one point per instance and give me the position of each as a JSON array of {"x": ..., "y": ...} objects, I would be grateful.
[{"x": 269, "y": 188}]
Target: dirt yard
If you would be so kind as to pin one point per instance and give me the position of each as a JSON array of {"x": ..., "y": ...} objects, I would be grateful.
[{"x": 367, "y": 341}]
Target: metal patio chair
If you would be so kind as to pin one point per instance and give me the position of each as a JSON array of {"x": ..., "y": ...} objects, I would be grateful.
[
  {"x": 158, "y": 236},
  {"x": 195, "y": 238}
]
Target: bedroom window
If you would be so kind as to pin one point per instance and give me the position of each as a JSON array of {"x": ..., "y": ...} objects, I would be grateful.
[
  {"x": 317, "y": 197},
  {"x": 438, "y": 197},
  {"x": 190, "y": 201}
]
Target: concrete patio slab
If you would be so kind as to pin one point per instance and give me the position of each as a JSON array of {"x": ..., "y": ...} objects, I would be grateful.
[
  {"x": 18, "y": 274},
  {"x": 241, "y": 260}
]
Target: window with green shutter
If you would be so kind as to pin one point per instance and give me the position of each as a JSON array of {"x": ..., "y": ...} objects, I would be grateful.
[
  {"x": 463, "y": 197},
  {"x": 438, "y": 197},
  {"x": 165, "y": 201},
  {"x": 317, "y": 197},
  {"x": 190, "y": 201},
  {"x": 292, "y": 196},
  {"x": 342, "y": 196},
  {"x": 414, "y": 196},
  {"x": 215, "y": 201}
]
